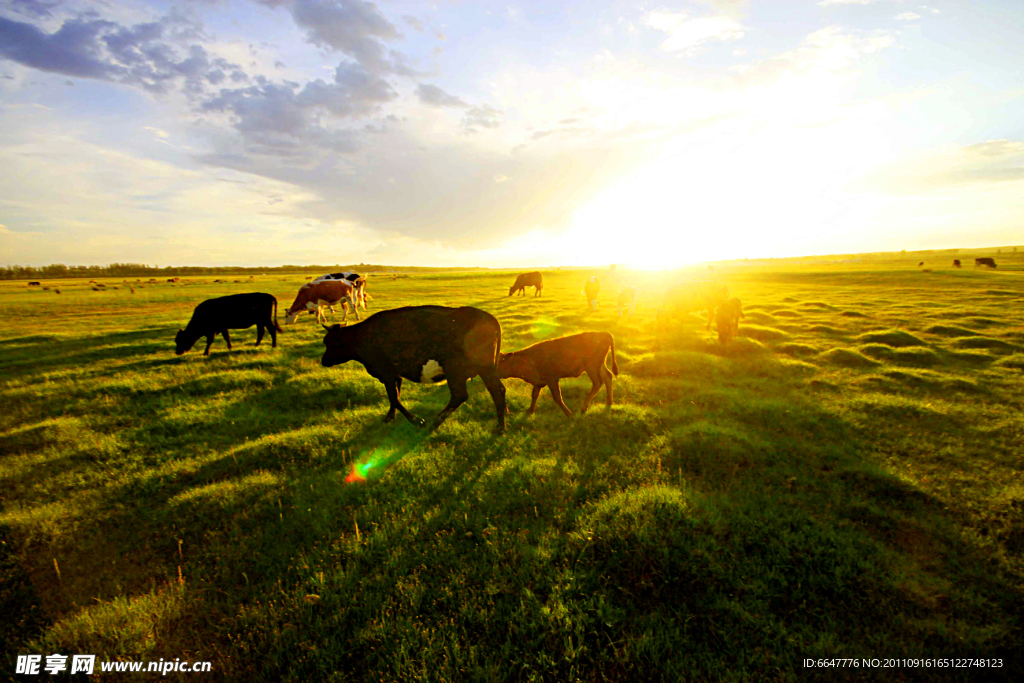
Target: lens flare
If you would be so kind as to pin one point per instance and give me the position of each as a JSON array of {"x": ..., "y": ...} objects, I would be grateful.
[
  {"x": 359, "y": 472},
  {"x": 545, "y": 329}
]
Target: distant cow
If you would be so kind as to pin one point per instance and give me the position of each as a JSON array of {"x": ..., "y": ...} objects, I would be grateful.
[
  {"x": 729, "y": 314},
  {"x": 627, "y": 300},
  {"x": 920, "y": 264},
  {"x": 314, "y": 296},
  {"x": 956, "y": 263},
  {"x": 35, "y": 284},
  {"x": 235, "y": 312},
  {"x": 985, "y": 261},
  {"x": 544, "y": 363},
  {"x": 355, "y": 278},
  {"x": 534, "y": 279},
  {"x": 591, "y": 289},
  {"x": 694, "y": 296},
  {"x": 425, "y": 344}
]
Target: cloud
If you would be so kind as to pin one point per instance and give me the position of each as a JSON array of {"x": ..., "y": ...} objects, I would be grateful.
[
  {"x": 687, "y": 34},
  {"x": 154, "y": 55},
  {"x": 826, "y": 3},
  {"x": 907, "y": 16},
  {"x": 433, "y": 96},
  {"x": 499, "y": 178},
  {"x": 937, "y": 170},
  {"x": 352, "y": 27},
  {"x": 34, "y": 8},
  {"x": 484, "y": 116}
]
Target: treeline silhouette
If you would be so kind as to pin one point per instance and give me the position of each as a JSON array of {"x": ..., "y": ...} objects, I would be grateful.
[{"x": 59, "y": 270}]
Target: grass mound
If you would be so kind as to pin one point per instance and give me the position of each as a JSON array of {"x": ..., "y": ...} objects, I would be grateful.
[
  {"x": 795, "y": 349},
  {"x": 852, "y": 314},
  {"x": 949, "y": 331},
  {"x": 848, "y": 358},
  {"x": 1016, "y": 361},
  {"x": 758, "y": 317},
  {"x": 787, "y": 313},
  {"x": 983, "y": 343},
  {"x": 981, "y": 321},
  {"x": 826, "y": 329},
  {"x": 894, "y": 338},
  {"x": 819, "y": 304},
  {"x": 917, "y": 355},
  {"x": 764, "y": 334}
]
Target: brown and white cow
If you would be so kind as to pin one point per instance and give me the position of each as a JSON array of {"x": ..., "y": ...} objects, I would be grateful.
[
  {"x": 985, "y": 261},
  {"x": 546, "y": 362},
  {"x": 729, "y": 314},
  {"x": 424, "y": 344},
  {"x": 356, "y": 279},
  {"x": 314, "y": 296}
]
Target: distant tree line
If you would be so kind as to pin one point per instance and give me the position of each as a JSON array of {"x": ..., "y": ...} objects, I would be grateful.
[{"x": 123, "y": 270}]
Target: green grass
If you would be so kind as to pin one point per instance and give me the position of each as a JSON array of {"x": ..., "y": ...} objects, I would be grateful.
[{"x": 841, "y": 480}]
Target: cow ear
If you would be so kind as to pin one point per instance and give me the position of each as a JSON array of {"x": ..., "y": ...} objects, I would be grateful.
[{"x": 325, "y": 327}]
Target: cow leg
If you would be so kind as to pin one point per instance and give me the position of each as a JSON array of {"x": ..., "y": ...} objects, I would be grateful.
[
  {"x": 596, "y": 380},
  {"x": 259, "y": 333},
  {"x": 457, "y": 385},
  {"x": 355, "y": 308},
  {"x": 533, "y": 398},
  {"x": 497, "y": 392},
  {"x": 398, "y": 399},
  {"x": 556, "y": 394},
  {"x": 392, "y": 389},
  {"x": 227, "y": 338},
  {"x": 273, "y": 333},
  {"x": 606, "y": 375},
  {"x": 209, "y": 343}
]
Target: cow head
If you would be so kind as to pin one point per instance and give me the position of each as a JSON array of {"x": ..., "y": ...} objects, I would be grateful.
[
  {"x": 515, "y": 365},
  {"x": 339, "y": 343},
  {"x": 182, "y": 343},
  {"x": 511, "y": 289}
]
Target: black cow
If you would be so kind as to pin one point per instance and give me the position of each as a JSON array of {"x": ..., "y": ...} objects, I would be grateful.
[
  {"x": 985, "y": 261},
  {"x": 956, "y": 263},
  {"x": 35, "y": 284},
  {"x": 425, "y": 344},
  {"x": 236, "y": 312},
  {"x": 534, "y": 279}
]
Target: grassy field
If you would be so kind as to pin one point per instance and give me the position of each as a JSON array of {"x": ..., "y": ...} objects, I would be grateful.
[{"x": 841, "y": 481}]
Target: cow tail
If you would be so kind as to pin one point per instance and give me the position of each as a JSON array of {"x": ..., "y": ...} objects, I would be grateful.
[
  {"x": 615, "y": 365},
  {"x": 275, "y": 314}
]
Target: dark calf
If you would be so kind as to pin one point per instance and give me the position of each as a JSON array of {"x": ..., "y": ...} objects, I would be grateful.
[
  {"x": 236, "y": 312},
  {"x": 425, "y": 344},
  {"x": 543, "y": 364},
  {"x": 985, "y": 261}
]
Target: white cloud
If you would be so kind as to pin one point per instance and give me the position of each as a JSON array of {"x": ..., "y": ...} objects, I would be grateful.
[
  {"x": 687, "y": 34},
  {"x": 907, "y": 16}
]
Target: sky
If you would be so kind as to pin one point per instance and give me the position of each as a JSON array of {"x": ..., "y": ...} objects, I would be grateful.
[{"x": 459, "y": 133}]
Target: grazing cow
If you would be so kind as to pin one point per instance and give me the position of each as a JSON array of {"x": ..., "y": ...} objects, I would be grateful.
[
  {"x": 544, "y": 363},
  {"x": 956, "y": 263},
  {"x": 314, "y": 296},
  {"x": 729, "y": 314},
  {"x": 591, "y": 289},
  {"x": 35, "y": 284},
  {"x": 694, "y": 296},
  {"x": 355, "y": 278},
  {"x": 627, "y": 300},
  {"x": 425, "y": 344},
  {"x": 235, "y": 312},
  {"x": 920, "y": 264},
  {"x": 534, "y": 279},
  {"x": 985, "y": 261}
]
